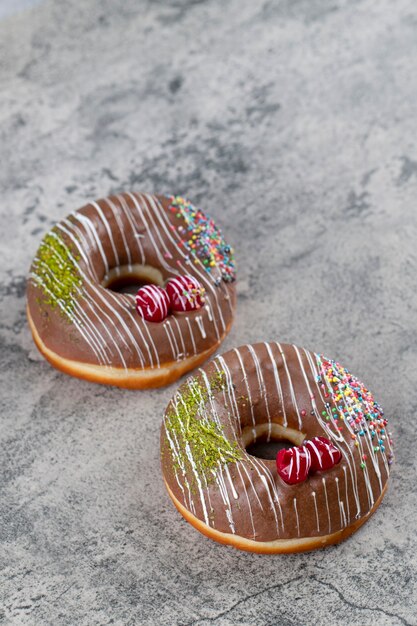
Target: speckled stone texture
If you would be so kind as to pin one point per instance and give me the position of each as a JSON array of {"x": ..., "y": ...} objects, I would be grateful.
[{"x": 294, "y": 124}]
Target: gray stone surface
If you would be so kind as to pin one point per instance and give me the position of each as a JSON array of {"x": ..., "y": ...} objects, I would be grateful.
[{"x": 294, "y": 123}]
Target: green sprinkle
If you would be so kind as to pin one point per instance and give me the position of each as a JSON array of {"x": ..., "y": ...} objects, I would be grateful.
[
  {"x": 198, "y": 444},
  {"x": 55, "y": 272}
]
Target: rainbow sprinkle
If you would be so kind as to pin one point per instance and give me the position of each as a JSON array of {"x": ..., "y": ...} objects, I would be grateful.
[
  {"x": 202, "y": 238},
  {"x": 355, "y": 405}
]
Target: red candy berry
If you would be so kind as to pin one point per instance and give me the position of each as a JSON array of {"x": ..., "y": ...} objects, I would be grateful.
[
  {"x": 323, "y": 453},
  {"x": 185, "y": 293},
  {"x": 152, "y": 303},
  {"x": 336, "y": 454},
  {"x": 293, "y": 464}
]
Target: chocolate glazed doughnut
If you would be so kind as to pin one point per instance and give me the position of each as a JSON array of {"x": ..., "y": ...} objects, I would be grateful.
[
  {"x": 88, "y": 330},
  {"x": 275, "y": 391}
]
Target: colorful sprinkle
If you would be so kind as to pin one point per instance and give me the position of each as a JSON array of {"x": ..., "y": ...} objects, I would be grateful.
[
  {"x": 202, "y": 237},
  {"x": 354, "y": 404}
]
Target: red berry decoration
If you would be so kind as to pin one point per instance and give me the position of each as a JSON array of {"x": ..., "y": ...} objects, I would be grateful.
[
  {"x": 293, "y": 464},
  {"x": 323, "y": 453},
  {"x": 336, "y": 454},
  {"x": 185, "y": 293},
  {"x": 152, "y": 303}
]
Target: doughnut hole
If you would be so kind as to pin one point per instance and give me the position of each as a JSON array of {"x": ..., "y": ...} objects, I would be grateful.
[
  {"x": 130, "y": 278},
  {"x": 264, "y": 441}
]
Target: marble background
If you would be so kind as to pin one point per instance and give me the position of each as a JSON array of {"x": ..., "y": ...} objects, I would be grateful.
[{"x": 294, "y": 123}]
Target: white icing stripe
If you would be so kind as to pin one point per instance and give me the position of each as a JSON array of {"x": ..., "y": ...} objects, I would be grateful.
[
  {"x": 268, "y": 481},
  {"x": 175, "y": 450},
  {"x": 108, "y": 231},
  {"x": 150, "y": 231},
  {"x": 177, "y": 351},
  {"x": 228, "y": 399},
  {"x": 116, "y": 214},
  {"x": 341, "y": 506},
  {"x": 327, "y": 504},
  {"x": 346, "y": 495},
  {"x": 296, "y": 516},
  {"x": 90, "y": 229},
  {"x": 255, "y": 492},
  {"x": 67, "y": 227},
  {"x": 292, "y": 393},
  {"x": 248, "y": 501},
  {"x": 184, "y": 352},
  {"x": 199, "y": 321},
  {"x": 127, "y": 212},
  {"x": 191, "y": 335},
  {"x": 277, "y": 383},
  {"x": 271, "y": 501},
  {"x": 225, "y": 498},
  {"x": 232, "y": 486},
  {"x": 245, "y": 379},
  {"x": 262, "y": 387},
  {"x": 167, "y": 329},
  {"x": 317, "y": 513}
]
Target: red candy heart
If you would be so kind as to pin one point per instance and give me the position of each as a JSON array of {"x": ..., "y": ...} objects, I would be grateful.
[
  {"x": 293, "y": 464},
  {"x": 152, "y": 303},
  {"x": 323, "y": 453},
  {"x": 185, "y": 293}
]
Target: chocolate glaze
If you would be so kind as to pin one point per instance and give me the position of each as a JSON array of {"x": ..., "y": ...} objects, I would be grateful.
[
  {"x": 273, "y": 384},
  {"x": 98, "y": 326}
]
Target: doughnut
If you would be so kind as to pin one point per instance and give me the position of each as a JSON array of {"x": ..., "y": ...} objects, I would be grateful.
[
  {"x": 180, "y": 314},
  {"x": 326, "y": 482}
]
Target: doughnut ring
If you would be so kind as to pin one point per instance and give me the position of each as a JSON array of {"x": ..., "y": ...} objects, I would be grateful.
[
  {"x": 177, "y": 320},
  {"x": 327, "y": 482}
]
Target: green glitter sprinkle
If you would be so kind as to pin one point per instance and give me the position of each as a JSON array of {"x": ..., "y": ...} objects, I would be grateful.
[
  {"x": 198, "y": 444},
  {"x": 55, "y": 272}
]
